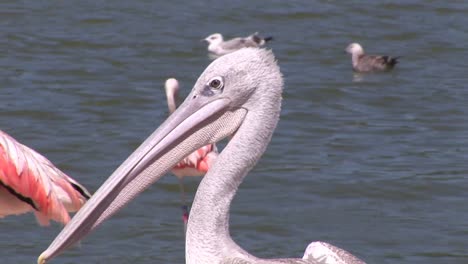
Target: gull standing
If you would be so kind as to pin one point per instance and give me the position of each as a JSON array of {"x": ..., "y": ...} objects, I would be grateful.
[
  {"x": 238, "y": 95},
  {"x": 31, "y": 183},
  {"x": 369, "y": 63},
  {"x": 195, "y": 164},
  {"x": 218, "y": 47}
]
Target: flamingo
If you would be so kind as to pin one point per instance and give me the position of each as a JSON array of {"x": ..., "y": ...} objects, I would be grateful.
[
  {"x": 31, "y": 183},
  {"x": 238, "y": 94},
  {"x": 195, "y": 164}
]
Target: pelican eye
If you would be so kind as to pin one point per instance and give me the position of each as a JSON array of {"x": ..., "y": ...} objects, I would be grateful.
[{"x": 216, "y": 83}]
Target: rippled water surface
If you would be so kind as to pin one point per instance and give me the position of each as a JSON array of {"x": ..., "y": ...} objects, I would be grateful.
[{"x": 376, "y": 164}]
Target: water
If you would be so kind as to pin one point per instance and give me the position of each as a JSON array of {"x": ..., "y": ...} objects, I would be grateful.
[{"x": 376, "y": 164}]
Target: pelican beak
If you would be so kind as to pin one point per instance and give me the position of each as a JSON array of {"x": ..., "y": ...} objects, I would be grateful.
[{"x": 199, "y": 121}]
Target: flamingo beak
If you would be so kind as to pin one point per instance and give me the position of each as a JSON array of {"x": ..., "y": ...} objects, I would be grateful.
[{"x": 197, "y": 122}]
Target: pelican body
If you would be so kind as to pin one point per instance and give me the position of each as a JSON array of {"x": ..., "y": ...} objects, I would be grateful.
[
  {"x": 31, "y": 183},
  {"x": 238, "y": 95}
]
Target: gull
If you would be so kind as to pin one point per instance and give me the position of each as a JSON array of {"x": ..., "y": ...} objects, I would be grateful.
[
  {"x": 369, "y": 63},
  {"x": 218, "y": 47}
]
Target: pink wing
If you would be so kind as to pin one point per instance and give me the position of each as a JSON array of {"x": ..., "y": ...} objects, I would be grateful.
[
  {"x": 30, "y": 182},
  {"x": 197, "y": 163}
]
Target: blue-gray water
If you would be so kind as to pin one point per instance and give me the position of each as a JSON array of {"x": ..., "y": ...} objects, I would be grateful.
[{"x": 376, "y": 164}]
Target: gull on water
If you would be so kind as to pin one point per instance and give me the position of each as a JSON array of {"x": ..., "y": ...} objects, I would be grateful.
[
  {"x": 218, "y": 46},
  {"x": 369, "y": 63}
]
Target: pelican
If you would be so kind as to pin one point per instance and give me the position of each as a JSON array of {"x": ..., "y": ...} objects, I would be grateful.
[
  {"x": 195, "y": 164},
  {"x": 217, "y": 46},
  {"x": 237, "y": 95},
  {"x": 31, "y": 183},
  {"x": 369, "y": 63}
]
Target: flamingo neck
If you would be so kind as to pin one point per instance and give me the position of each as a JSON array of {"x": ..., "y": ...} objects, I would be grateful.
[
  {"x": 171, "y": 100},
  {"x": 208, "y": 235}
]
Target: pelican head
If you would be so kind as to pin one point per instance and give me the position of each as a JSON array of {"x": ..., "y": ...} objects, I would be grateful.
[
  {"x": 237, "y": 89},
  {"x": 355, "y": 49},
  {"x": 215, "y": 38}
]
